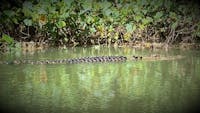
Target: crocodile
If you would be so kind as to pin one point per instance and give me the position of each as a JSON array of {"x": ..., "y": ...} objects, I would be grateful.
[{"x": 94, "y": 59}]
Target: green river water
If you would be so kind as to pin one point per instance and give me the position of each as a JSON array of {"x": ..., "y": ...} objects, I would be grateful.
[{"x": 170, "y": 86}]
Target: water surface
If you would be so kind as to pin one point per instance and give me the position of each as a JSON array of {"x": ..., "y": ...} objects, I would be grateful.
[{"x": 170, "y": 86}]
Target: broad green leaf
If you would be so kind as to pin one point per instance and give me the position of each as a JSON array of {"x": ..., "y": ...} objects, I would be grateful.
[
  {"x": 136, "y": 9},
  {"x": 147, "y": 20},
  {"x": 134, "y": 27},
  {"x": 173, "y": 15},
  {"x": 87, "y": 5},
  {"x": 9, "y": 13},
  {"x": 141, "y": 26},
  {"x": 89, "y": 19},
  {"x": 68, "y": 2},
  {"x": 110, "y": 28},
  {"x": 144, "y": 11},
  {"x": 158, "y": 15},
  {"x": 97, "y": 6},
  {"x": 41, "y": 11},
  {"x": 110, "y": 19},
  {"x": 53, "y": 9},
  {"x": 107, "y": 12},
  {"x": 35, "y": 16},
  {"x": 66, "y": 39},
  {"x": 64, "y": 15},
  {"x": 54, "y": 29},
  {"x": 28, "y": 22},
  {"x": 129, "y": 27},
  {"x": 137, "y": 18},
  {"x": 27, "y": 12},
  {"x": 92, "y": 30},
  {"x": 127, "y": 36},
  {"x": 15, "y": 20},
  {"x": 61, "y": 24},
  {"x": 7, "y": 38},
  {"x": 83, "y": 11},
  {"x": 105, "y": 5},
  {"x": 116, "y": 14},
  {"x": 116, "y": 35},
  {"x": 174, "y": 25}
]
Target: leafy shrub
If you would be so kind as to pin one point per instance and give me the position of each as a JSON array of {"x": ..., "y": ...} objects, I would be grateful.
[{"x": 63, "y": 22}]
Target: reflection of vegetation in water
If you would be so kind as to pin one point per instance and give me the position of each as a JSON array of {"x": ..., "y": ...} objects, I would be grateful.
[{"x": 94, "y": 86}]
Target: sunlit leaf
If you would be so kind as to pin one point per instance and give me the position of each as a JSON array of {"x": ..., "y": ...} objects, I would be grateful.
[
  {"x": 41, "y": 11},
  {"x": 134, "y": 27},
  {"x": 115, "y": 13},
  {"x": 110, "y": 19},
  {"x": 107, "y": 12},
  {"x": 144, "y": 11},
  {"x": 61, "y": 24},
  {"x": 105, "y": 5},
  {"x": 129, "y": 27},
  {"x": 110, "y": 28},
  {"x": 137, "y": 18},
  {"x": 141, "y": 26},
  {"x": 28, "y": 22},
  {"x": 68, "y": 2},
  {"x": 158, "y": 15},
  {"x": 97, "y": 6},
  {"x": 66, "y": 39},
  {"x": 116, "y": 35},
  {"x": 7, "y": 39},
  {"x": 87, "y": 5},
  {"x": 147, "y": 20},
  {"x": 127, "y": 36},
  {"x": 92, "y": 30},
  {"x": 64, "y": 15},
  {"x": 89, "y": 19}
]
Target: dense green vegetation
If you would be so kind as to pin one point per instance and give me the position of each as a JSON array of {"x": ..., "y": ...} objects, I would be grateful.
[{"x": 80, "y": 22}]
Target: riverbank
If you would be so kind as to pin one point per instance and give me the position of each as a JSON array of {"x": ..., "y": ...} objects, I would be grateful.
[{"x": 35, "y": 46}]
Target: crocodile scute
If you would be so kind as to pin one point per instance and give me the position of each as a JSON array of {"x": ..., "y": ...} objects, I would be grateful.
[{"x": 70, "y": 61}]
